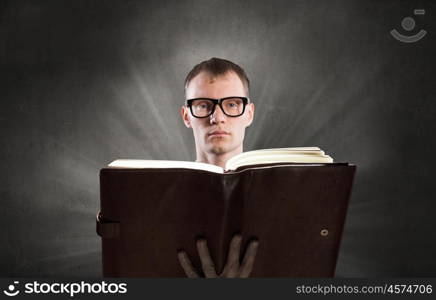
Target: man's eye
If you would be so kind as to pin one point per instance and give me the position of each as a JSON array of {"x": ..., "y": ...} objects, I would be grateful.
[
  {"x": 232, "y": 105},
  {"x": 202, "y": 106}
]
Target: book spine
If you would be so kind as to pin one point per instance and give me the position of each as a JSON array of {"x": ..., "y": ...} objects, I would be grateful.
[{"x": 233, "y": 205}]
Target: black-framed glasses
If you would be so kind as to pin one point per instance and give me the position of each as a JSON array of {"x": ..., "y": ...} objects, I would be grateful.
[{"x": 231, "y": 106}]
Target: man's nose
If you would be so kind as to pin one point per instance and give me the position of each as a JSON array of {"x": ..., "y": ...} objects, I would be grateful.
[{"x": 218, "y": 116}]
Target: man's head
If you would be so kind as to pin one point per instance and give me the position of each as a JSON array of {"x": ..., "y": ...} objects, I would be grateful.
[{"x": 217, "y": 79}]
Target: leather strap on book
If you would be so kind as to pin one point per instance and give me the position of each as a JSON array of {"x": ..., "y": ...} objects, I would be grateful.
[{"x": 107, "y": 229}]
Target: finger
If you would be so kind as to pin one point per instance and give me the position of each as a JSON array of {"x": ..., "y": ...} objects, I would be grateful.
[
  {"x": 232, "y": 266},
  {"x": 248, "y": 262},
  {"x": 206, "y": 262},
  {"x": 186, "y": 264}
]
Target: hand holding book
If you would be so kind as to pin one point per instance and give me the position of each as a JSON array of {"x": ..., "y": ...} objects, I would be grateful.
[{"x": 233, "y": 267}]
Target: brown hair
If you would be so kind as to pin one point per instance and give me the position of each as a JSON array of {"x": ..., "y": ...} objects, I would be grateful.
[{"x": 216, "y": 67}]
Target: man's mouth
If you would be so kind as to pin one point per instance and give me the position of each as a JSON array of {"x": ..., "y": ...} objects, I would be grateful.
[{"x": 218, "y": 133}]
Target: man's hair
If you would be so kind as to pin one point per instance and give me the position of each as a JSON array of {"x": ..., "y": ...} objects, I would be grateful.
[{"x": 216, "y": 67}]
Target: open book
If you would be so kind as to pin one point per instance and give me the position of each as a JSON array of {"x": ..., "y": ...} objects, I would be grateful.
[
  {"x": 293, "y": 200},
  {"x": 250, "y": 158}
]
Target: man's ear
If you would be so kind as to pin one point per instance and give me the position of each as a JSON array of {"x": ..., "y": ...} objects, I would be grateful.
[
  {"x": 184, "y": 112},
  {"x": 250, "y": 113}
]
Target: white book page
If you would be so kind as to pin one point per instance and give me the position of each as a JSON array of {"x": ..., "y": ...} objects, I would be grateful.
[
  {"x": 299, "y": 149},
  {"x": 163, "y": 164},
  {"x": 277, "y": 155}
]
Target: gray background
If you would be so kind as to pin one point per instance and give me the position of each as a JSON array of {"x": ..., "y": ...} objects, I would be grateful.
[{"x": 86, "y": 82}]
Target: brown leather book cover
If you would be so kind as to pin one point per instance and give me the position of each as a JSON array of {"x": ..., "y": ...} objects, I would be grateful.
[{"x": 296, "y": 211}]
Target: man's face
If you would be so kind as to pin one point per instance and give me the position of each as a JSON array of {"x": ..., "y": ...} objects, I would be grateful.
[{"x": 229, "y": 84}]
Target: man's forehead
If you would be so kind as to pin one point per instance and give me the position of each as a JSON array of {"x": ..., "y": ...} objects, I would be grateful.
[
  {"x": 205, "y": 82},
  {"x": 208, "y": 78}
]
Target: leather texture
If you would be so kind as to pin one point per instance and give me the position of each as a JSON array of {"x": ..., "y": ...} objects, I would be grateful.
[{"x": 296, "y": 211}]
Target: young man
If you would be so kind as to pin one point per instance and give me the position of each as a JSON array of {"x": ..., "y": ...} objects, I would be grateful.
[
  {"x": 218, "y": 129},
  {"x": 218, "y": 110}
]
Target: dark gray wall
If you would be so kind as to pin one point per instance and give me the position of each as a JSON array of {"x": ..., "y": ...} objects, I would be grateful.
[{"x": 86, "y": 82}]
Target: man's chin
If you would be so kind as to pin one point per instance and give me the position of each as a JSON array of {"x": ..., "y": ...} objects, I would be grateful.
[{"x": 219, "y": 148}]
